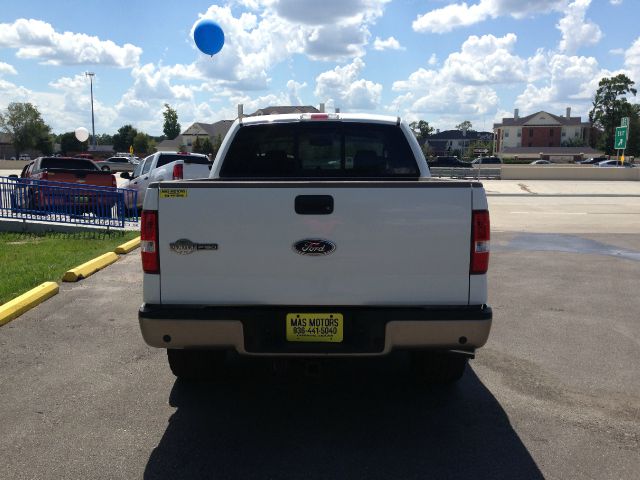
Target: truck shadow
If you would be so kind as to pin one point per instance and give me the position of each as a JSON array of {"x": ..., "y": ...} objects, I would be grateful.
[{"x": 353, "y": 419}]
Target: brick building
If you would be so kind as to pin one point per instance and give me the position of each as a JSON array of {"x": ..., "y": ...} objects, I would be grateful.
[{"x": 541, "y": 129}]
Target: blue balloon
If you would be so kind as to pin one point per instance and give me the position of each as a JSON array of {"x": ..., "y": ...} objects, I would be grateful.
[{"x": 208, "y": 36}]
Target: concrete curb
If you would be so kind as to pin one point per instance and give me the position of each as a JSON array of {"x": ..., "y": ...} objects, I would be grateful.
[
  {"x": 16, "y": 307},
  {"x": 128, "y": 246},
  {"x": 90, "y": 267}
]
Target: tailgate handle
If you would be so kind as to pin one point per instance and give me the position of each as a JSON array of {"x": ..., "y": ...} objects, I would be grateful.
[{"x": 314, "y": 204}]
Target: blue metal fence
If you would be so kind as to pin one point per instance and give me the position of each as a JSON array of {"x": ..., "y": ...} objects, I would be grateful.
[{"x": 45, "y": 201}]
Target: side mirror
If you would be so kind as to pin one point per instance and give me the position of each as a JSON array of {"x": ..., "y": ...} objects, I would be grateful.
[{"x": 125, "y": 175}]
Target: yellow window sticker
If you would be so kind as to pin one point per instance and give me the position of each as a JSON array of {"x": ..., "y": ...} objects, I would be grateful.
[{"x": 173, "y": 193}]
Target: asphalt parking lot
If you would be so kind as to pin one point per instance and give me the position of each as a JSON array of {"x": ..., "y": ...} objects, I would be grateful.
[{"x": 554, "y": 394}]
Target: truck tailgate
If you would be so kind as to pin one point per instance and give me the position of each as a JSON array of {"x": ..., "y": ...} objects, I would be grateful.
[
  {"x": 81, "y": 177},
  {"x": 396, "y": 243}
]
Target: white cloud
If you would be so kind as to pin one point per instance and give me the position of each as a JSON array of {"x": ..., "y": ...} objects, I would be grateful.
[
  {"x": 70, "y": 105},
  {"x": 5, "y": 69},
  {"x": 615, "y": 2},
  {"x": 632, "y": 60},
  {"x": 275, "y": 30},
  {"x": 445, "y": 19},
  {"x": 485, "y": 60},
  {"x": 341, "y": 87},
  {"x": 35, "y": 39},
  {"x": 463, "y": 87},
  {"x": 389, "y": 44},
  {"x": 430, "y": 94},
  {"x": 151, "y": 82},
  {"x": 326, "y": 12},
  {"x": 294, "y": 88},
  {"x": 617, "y": 51},
  {"x": 576, "y": 30},
  {"x": 433, "y": 59},
  {"x": 338, "y": 41},
  {"x": 572, "y": 82},
  {"x": 64, "y": 109}
]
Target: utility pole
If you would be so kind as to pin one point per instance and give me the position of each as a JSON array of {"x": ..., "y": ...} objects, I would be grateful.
[{"x": 93, "y": 125}]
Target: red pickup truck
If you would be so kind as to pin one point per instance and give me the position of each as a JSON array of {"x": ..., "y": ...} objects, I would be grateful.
[{"x": 73, "y": 191}]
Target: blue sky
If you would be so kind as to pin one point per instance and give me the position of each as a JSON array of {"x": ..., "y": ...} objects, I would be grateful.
[{"x": 443, "y": 61}]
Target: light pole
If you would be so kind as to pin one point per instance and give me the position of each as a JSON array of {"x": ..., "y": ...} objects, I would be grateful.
[{"x": 93, "y": 125}]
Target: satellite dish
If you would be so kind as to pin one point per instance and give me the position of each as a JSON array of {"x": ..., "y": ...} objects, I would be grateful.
[
  {"x": 208, "y": 36},
  {"x": 82, "y": 134}
]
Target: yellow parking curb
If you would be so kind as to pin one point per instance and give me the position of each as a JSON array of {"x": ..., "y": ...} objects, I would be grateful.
[
  {"x": 89, "y": 268},
  {"x": 27, "y": 301},
  {"x": 127, "y": 247}
]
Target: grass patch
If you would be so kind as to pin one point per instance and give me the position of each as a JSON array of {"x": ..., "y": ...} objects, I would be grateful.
[{"x": 28, "y": 259}]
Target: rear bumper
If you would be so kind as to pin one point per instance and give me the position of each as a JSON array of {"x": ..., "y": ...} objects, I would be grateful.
[{"x": 367, "y": 330}]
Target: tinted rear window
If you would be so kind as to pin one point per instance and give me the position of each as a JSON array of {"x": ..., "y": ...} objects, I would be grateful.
[
  {"x": 171, "y": 157},
  {"x": 67, "y": 164},
  {"x": 314, "y": 149}
]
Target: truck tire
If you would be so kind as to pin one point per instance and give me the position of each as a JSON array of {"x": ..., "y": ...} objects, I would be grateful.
[
  {"x": 439, "y": 368},
  {"x": 195, "y": 365}
]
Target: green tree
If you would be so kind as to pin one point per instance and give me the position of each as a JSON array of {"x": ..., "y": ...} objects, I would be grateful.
[
  {"x": 141, "y": 143},
  {"x": 207, "y": 146},
  {"x": 171, "y": 127},
  {"x": 609, "y": 106},
  {"x": 69, "y": 144},
  {"x": 197, "y": 146},
  {"x": 633, "y": 144},
  {"x": 466, "y": 125},
  {"x": 124, "y": 138},
  {"x": 574, "y": 142},
  {"x": 23, "y": 122},
  {"x": 421, "y": 129},
  {"x": 479, "y": 144},
  {"x": 217, "y": 142},
  {"x": 152, "y": 148},
  {"x": 45, "y": 144},
  {"x": 104, "y": 139}
]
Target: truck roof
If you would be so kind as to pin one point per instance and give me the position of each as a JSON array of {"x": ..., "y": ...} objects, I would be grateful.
[{"x": 296, "y": 117}]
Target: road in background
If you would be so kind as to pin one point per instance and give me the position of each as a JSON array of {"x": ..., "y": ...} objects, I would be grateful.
[{"x": 555, "y": 393}]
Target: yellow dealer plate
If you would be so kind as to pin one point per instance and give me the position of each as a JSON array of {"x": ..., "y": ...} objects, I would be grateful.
[
  {"x": 173, "y": 193},
  {"x": 315, "y": 327}
]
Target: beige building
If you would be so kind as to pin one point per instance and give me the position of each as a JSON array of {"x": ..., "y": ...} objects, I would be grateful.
[{"x": 541, "y": 129}]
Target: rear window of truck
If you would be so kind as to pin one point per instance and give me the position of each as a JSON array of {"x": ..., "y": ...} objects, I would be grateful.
[
  {"x": 168, "y": 158},
  {"x": 67, "y": 164},
  {"x": 314, "y": 149}
]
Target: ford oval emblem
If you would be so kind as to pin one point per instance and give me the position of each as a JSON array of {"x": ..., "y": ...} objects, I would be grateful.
[{"x": 314, "y": 247}]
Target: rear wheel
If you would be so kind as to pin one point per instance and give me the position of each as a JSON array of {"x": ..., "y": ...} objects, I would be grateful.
[
  {"x": 195, "y": 364},
  {"x": 438, "y": 367}
]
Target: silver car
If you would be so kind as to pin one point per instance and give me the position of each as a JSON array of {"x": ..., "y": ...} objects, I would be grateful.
[{"x": 115, "y": 164}]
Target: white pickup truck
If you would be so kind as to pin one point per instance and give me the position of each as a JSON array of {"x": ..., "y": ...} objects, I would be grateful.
[
  {"x": 162, "y": 166},
  {"x": 316, "y": 235}
]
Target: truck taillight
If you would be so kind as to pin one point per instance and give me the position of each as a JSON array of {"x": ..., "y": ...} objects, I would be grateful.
[
  {"x": 114, "y": 183},
  {"x": 178, "y": 171},
  {"x": 480, "y": 242},
  {"x": 44, "y": 176},
  {"x": 149, "y": 242}
]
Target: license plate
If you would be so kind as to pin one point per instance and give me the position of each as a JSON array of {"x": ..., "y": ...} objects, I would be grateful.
[
  {"x": 315, "y": 327},
  {"x": 82, "y": 199}
]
